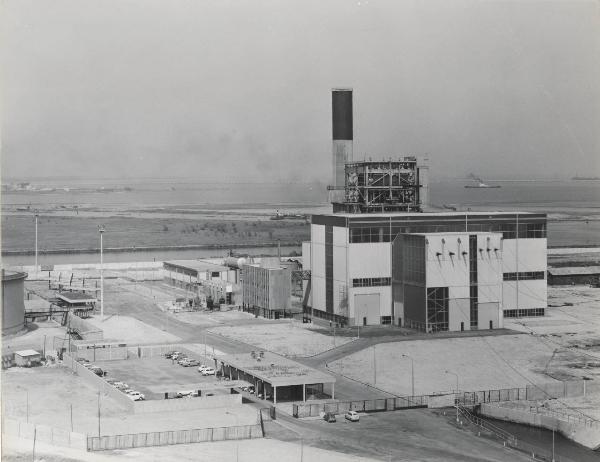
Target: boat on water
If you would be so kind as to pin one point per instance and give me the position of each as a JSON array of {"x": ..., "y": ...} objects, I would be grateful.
[
  {"x": 586, "y": 178},
  {"x": 481, "y": 185}
]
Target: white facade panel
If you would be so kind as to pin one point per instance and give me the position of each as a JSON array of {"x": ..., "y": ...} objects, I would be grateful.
[
  {"x": 530, "y": 294},
  {"x": 318, "y": 293},
  {"x": 370, "y": 260},
  {"x": 385, "y": 302},
  {"x": 318, "y": 259},
  {"x": 531, "y": 255},
  {"x": 340, "y": 236},
  {"x": 317, "y": 234},
  {"x": 306, "y": 261},
  {"x": 459, "y": 314}
]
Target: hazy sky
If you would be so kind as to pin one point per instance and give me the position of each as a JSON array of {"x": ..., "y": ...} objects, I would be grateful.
[{"x": 214, "y": 88}]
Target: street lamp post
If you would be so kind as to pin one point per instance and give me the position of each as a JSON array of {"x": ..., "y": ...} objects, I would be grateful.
[
  {"x": 456, "y": 399},
  {"x": 36, "y": 242},
  {"x": 412, "y": 372},
  {"x": 101, "y": 229}
]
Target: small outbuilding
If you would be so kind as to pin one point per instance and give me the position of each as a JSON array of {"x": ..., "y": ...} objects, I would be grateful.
[{"x": 27, "y": 358}]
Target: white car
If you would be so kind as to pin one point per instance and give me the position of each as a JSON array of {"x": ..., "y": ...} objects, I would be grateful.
[
  {"x": 201, "y": 368},
  {"x": 208, "y": 371},
  {"x": 136, "y": 396},
  {"x": 352, "y": 416}
]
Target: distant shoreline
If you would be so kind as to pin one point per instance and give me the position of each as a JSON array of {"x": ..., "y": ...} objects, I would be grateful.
[{"x": 152, "y": 248}]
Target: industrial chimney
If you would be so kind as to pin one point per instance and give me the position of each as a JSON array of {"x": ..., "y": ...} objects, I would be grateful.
[{"x": 342, "y": 124}]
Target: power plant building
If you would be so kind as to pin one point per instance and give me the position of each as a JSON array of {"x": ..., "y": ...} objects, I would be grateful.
[
  {"x": 430, "y": 271},
  {"x": 382, "y": 258}
]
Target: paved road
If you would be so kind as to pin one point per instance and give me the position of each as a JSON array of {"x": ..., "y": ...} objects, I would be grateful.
[{"x": 400, "y": 435}]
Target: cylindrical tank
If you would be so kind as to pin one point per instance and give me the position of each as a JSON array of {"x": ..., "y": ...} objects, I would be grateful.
[
  {"x": 13, "y": 303},
  {"x": 235, "y": 262}
]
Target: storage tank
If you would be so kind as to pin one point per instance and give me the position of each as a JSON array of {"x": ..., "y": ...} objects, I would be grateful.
[
  {"x": 235, "y": 262},
  {"x": 13, "y": 301}
]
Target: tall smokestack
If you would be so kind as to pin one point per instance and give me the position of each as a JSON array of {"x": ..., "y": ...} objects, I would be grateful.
[{"x": 342, "y": 124}]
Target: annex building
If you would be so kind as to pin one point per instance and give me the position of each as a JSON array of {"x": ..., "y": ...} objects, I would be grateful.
[{"x": 431, "y": 271}]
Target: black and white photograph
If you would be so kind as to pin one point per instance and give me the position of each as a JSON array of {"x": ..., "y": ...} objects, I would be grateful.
[{"x": 300, "y": 230}]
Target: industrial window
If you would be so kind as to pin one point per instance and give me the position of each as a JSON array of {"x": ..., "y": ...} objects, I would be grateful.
[
  {"x": 524, "y": 313},
  {"x": 371, "y": 282},
  {"x": 474, "y": 295},
  {"x": 386, "y": 320},
  {"x": 525, "y": 276},
  {"x": 437, "y": 308},
  {"x": 369, "y": 234}
]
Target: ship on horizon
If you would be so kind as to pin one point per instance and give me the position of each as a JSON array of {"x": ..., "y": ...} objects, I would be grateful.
[{"x": 481, "y": 184}]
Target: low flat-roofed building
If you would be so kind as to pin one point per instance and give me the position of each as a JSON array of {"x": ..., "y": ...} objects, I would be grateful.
[
  {"x": 193, "y": 275},
  {"x": 27, "y": 358},
  {"x": 277, "y": 378},
  {"x": 574, "y": 275}
]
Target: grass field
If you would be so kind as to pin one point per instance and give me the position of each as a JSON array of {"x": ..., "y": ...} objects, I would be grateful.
[{"x": 79, "y": 232}]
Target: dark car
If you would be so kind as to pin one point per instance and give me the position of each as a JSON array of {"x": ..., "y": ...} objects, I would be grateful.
[{"x": 329, "y": 417}]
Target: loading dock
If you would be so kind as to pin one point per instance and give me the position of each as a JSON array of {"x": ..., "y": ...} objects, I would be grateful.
[{"x": 277, "y": 377}]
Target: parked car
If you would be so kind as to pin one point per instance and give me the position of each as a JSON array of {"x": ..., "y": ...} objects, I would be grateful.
[
  {"x": 98, "y": 371},
  {"x": 82, "y": 360},
  {"x": 251, "y": 390},
  {"x": 202, "y": 367},
  {"x": 170, "y": 354},
  {"x": 352, "y": 416},
  {"x": 183, "y": 362},
  {"x": 120, "y": 385},
  {"x": 208, "y": 371},
  {"x": 137, "y": 396},
  {"x": 329, "y": 417},
  {"x": 187, "y": 394},
  {"x": 192, "y": 362},
  {"x": 177, "y": 356}
]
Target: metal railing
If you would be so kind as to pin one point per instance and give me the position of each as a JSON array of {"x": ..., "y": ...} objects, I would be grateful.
[
  {"x": 571, "y": 418},
  {"x": 511, "y": 441},
  {"x": 165, "y": 438}
]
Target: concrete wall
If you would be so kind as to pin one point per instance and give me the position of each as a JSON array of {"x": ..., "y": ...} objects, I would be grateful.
[
  {"x": 44, "y": 434},
  {"x": 85, "y": 329},
  {"x": 97, "y": 382},
  {"x": 186, "y": 404},
  {"x": 584, "y": 434}
]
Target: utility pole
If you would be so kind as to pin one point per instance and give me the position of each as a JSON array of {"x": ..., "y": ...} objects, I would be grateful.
[
  {"x": 101, "y": 229},
  {"x": 71, "y": 418},
  {"x": 553, "y": 445},
  {"x": 36, "y": 242},
  {"x": 98, "y": 414},
  {"x": 374, "y": 366},
  {"x": 412, "y": 372}
]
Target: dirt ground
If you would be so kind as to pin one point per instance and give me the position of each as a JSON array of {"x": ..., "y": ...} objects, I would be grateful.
[
  {"x": 44, "y": 395},
  {"x": 224, "y": 451},
  {"x": 288, "y": 338},
  {"x": 130, "y": 330},
  {"x": 563, "y": 345}
]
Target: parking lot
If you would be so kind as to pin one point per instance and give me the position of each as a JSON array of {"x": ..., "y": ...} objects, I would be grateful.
[{"x": 155, "y": 376}]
